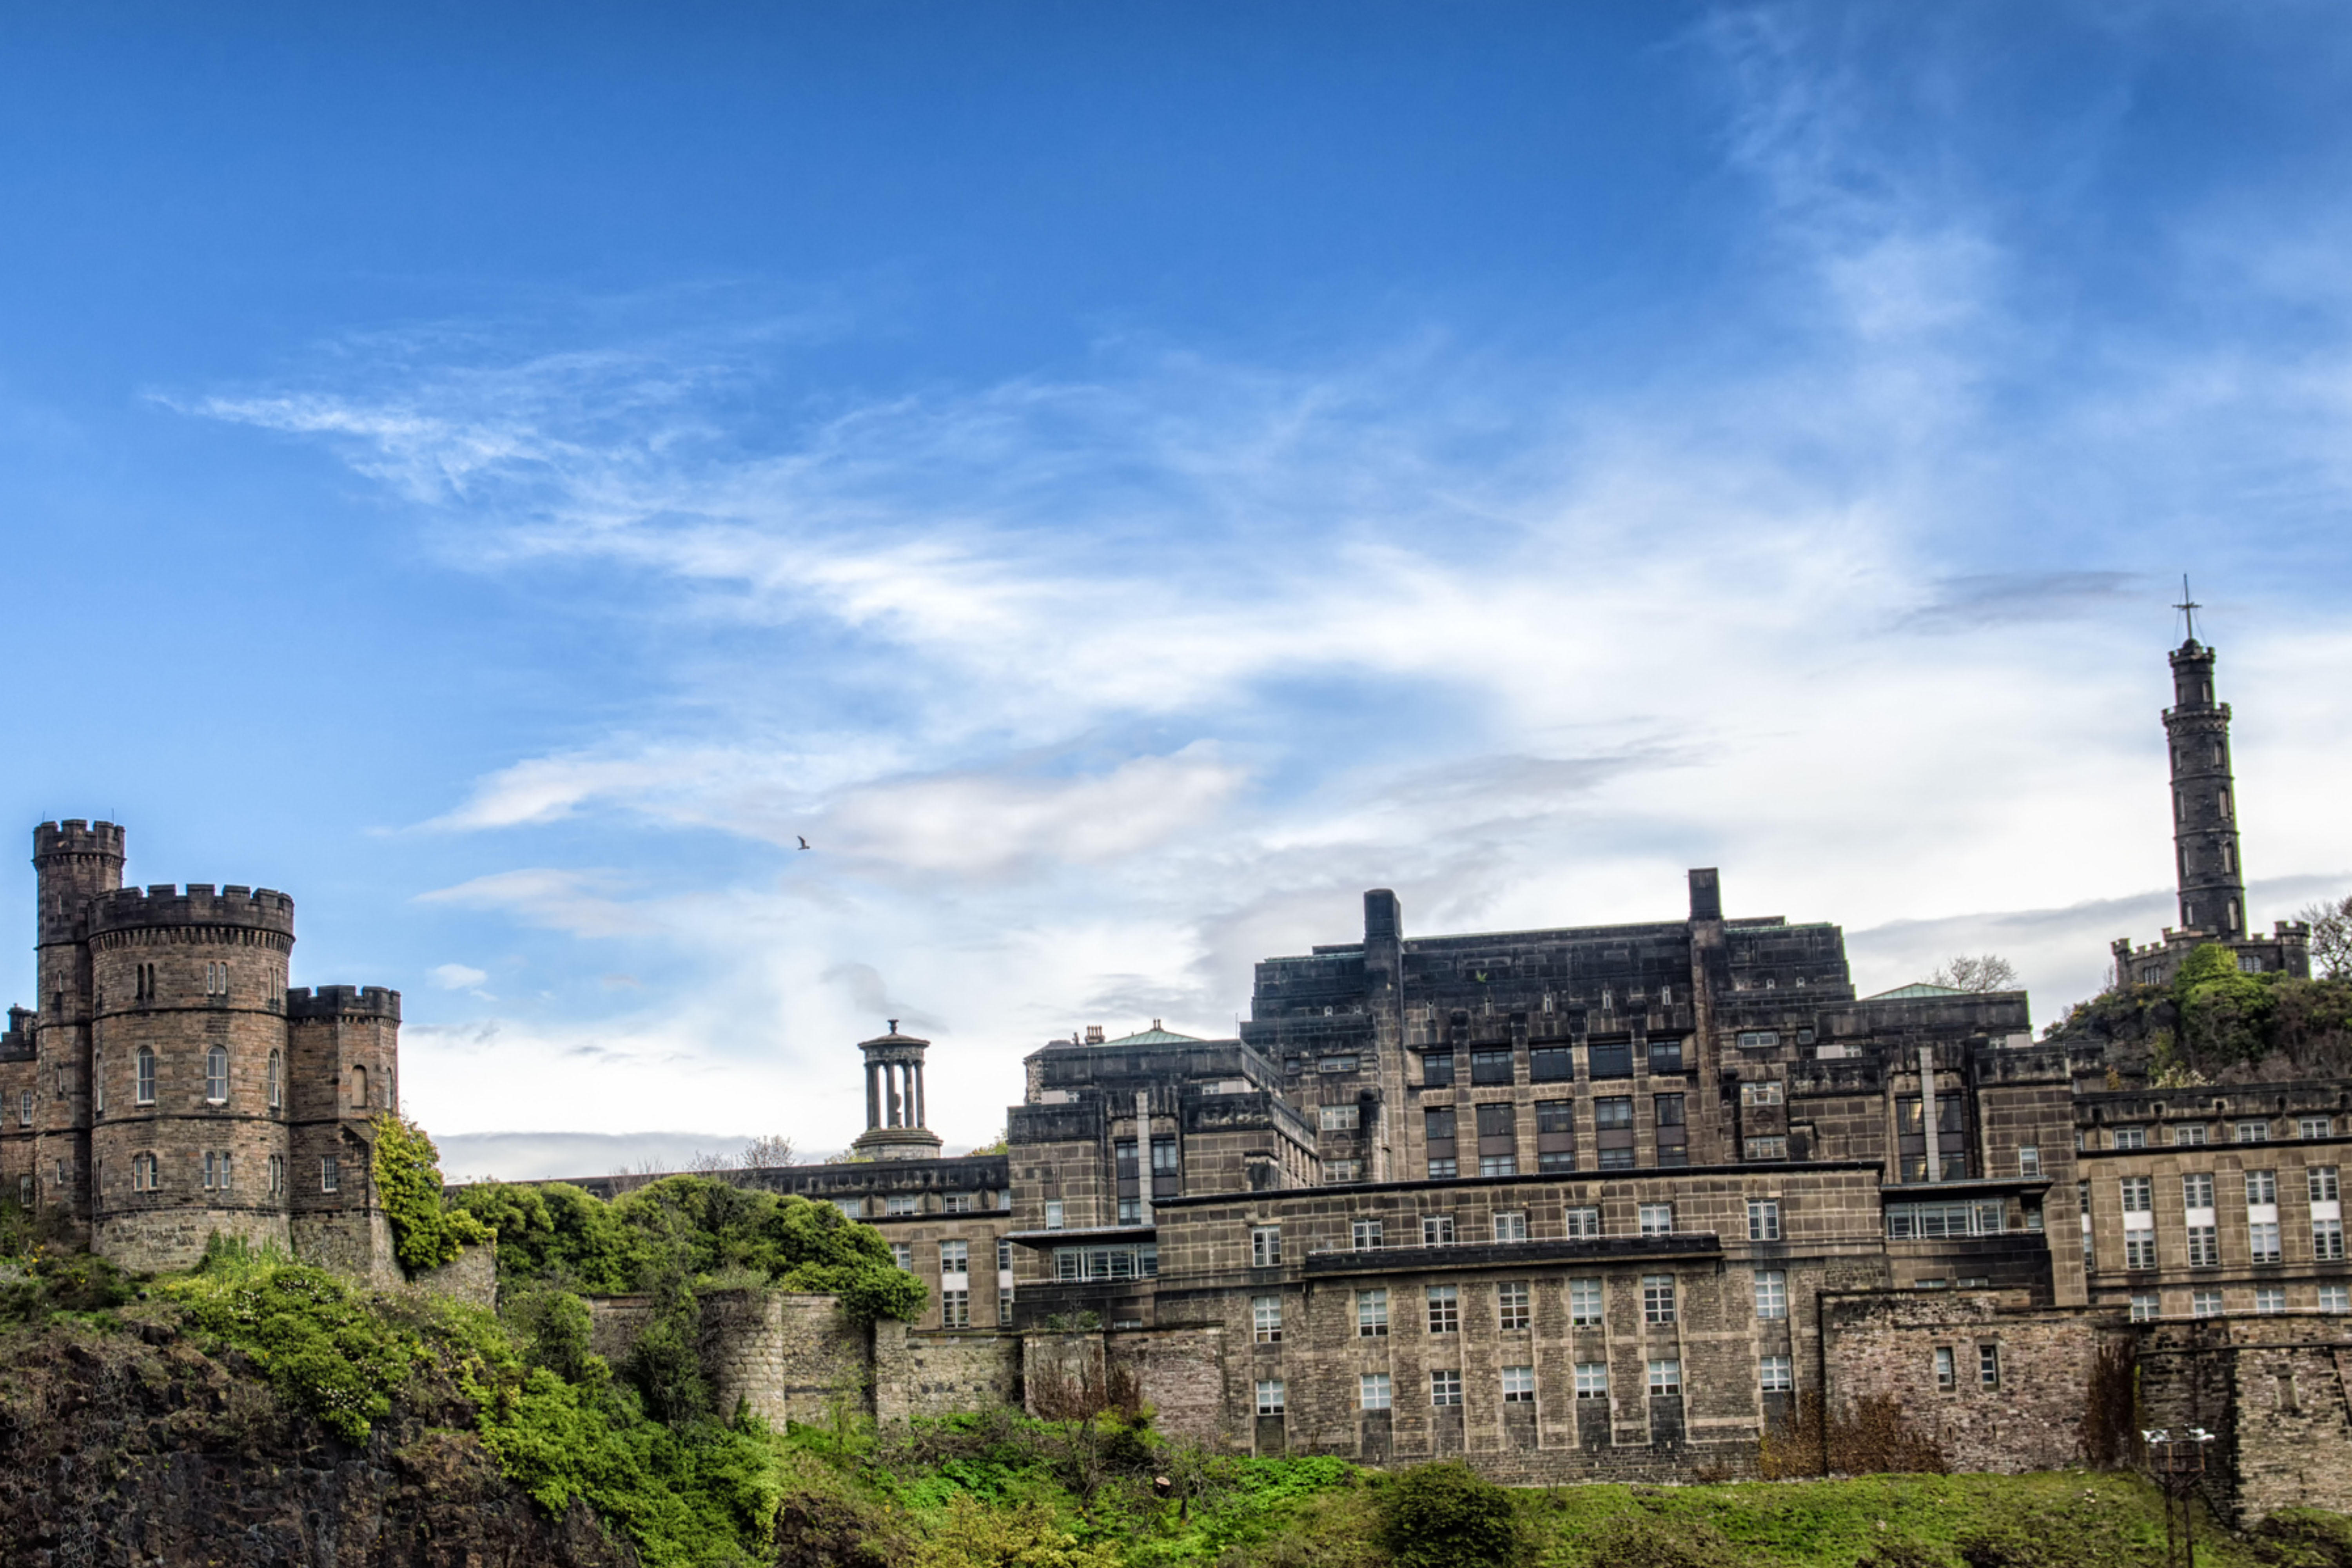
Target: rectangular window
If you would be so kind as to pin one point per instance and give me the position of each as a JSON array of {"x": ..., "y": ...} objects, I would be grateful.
[
  {"x": 1265, "y": 1246},
  {"x": 1437, "y": 1125},
  {"x": 1759, "y": 1039},
  {"x": 1269, "y": 1396},
  {"x": 2269, "y": 1299},
  {"x": 2251, "y": 1133},
  {"x": 2140, "y": 1250},
  {"x": 1163, "y": 1165},
  {"x": 2327, "y": 1240},
  {"x": 1511, "y": 1310},
  {"x": 958, "y": 1203},
  {"x": 331, "y": 1174},
  {"x": 955, "y": 1308},
  {"x": 1665, "y": 1056},
  {"x": 1053, "y": 1214},
  {"x": 2204, "y": 1303},
  {"x": 1266, "y": 1319},
  {"x": 1338, "y": 1172},
  {"x": 1555, "y": 1118},
  {"x": 24, "y": 1108},
  {"x": 2028, "y": 1161},
  {"x": 1772, "y": 1293},
  {"x": 1657, "y": 1219},
  {"x": 1004, "y": 1306},
  {"x": 1437, "y": 1230},
  {"x": 1511, "y": 1227},
  {"x": 1583, "y": 1223},
  {"x": 1666, "y": 1109},
  {"x": 903, "y": 1203},
  {"x": 1945, "y": 1378},
  {"x": 1593, "y": 1380},
  {"x": 851, "y": 1208},
  {"x": 2321, "y": 1183},
  {"x": 2315, "y": 1127},
  {"x": 1764, "y": 1219},
  {"x": 2129, "y": 1138},
  {"x": 2144, "y": 1309},
  {"x": 1777, "y": 1374},
  {"x": 1444, "y": 1309},
  {"x": 2336, "y": 1298},
  {"x": 1551, "y": 1064},
  {"x": 1444, "y": 1170},
  {"x": 143, "y": 1080},
  {"x": 1372, "y": 1389},
  {"x": 1610, "y": 1059},
  {"x": 1518, "y": 1386},
  {"x": 1770, "y": 1146},
  {"x": 277, "y": 1175},
  {"x": 1499, "y": 1165},
  {"x": 1131, "y": 1211},
  {"x": 2204, "y": 1247},
  {"x": 1004, "y": 1254},
  {"x": 1446, "y": 1388},
  {"x": 1341, "y": 1118},
  {"x": 212, "y": 1175},
  {"x": 1496, "y": 1119},
  {"x": 2262, "y": 1239},
  {"x": 902, "y": 1253},
  {"x": 1761, "y": 1092},
  {"x": 1928, "y": 1222},
  {"x": 955, "y": 1257},
  {"x": 1436, "y": 1072},
  {"x": 1987, "y": 1366},
  {"x": 1556, "y": 1161},
  {"x": 1371, "y": 1315},
  {"x": 2189, "y": 1134},
  {"x": 1336, "y": 1064},
  {"x": 1665, "y": 1378},
  {"x": 1657, "y": 1298},
  {"x": 1364, "y": 1235},
  {"x": 2261, "y": 1187},
  {"x": 1613, "y": 1113},
  {"x": 2197, "y": 1190},
  {"x": 1490, "y": 1066},
  {"x": 2138, "y": 1194}
]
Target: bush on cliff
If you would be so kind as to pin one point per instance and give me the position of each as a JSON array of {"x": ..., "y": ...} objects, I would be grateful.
[
  {"x": 690, "y": 1228},
  {"x": 1447, "y": 1516},
  {"x": 426, "y": 1233}
]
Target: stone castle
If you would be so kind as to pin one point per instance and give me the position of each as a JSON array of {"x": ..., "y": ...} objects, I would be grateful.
[
  {"x": 1597, "y": 1201},
  {"x": 172, "y": 1085}
]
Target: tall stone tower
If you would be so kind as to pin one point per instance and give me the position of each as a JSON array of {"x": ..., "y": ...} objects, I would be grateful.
[
  {"x": 895, "y": 1128},
  {"x": 75, "y": 863},
  {"x": 2204, "y": 803}
]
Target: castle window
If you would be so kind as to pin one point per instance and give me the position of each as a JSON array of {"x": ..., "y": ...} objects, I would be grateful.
[
  {"x": 1657, "y": 1219},
  {"x": 2029, "y": 1159},
  {"x": 24, "y": 1108},
  {"x": 1437, "y": 1069},
  {"x": 142, "y": 981},
  {"x": 1770, "y": 1147},
  {"x": 2189, "y": 1134},
  {"x": 1444, "y": 1169},
  {"x": 1338, "y": 1172},
  {"x": 1004, "y": 1306},
  {"x": 1340, "y": 1118},
  {"x": 212, "y": 1172},
  {"x": 1945, "y": 1378},
  {"x": 1490, "y": 1066},
  {"x": 216, "y": 1075},
  {"x": 277, "y": 1082},
  {"x": 359, "y": 1087},
  {"x": 1989, "y": 1366},
  {"x": 142, "y": 1173},
  {"x": 1761, "y": 1092},
  {"x": 1054, "y": 1214},
  {"x": 902, "y": 1254},
  {"x": 331, "y": 1174},
  {"x": 1266, "y": 1319},
  {"x": 851, "y": 1208},
  {"x": 1584, "y": 1303},
  {"x": 277, "y": 1175},
  {"x": 98, "y": 1082},
  {"x": 2336, "y": 1298},
  {"x": 25, "y": 1192},
  {"x": 146, "y": 1075},
  {"x": 2204, "y": 1303},
  {"x": 2251, "y": 1133},
  {"x": 1518, "y": 1386},
  {"x": 2129, "y": 1137},
  {"x": 2315, "y": 1127},
  {"x": 2145, "y": 1307},
  {"x": 902, "y": 1203},
  {"x": 1551, "y": 1064},
  {"x": 215, "y": 979}
]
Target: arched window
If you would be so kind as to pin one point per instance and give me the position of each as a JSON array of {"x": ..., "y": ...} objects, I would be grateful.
[
  {"x": 359, "y": 1086},
  {"x": 277, "y": 1082},
  {"x": 146, "y": 1095},
  {"x": 216, "y": 1075}
]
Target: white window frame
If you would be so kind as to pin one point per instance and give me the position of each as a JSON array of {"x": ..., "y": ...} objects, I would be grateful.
[
  {"x": 1374, "y": 1391},
  {"x": 1444, "y": 1304},
  {"x": 1593, "y": 1380},
  {"x": 1271, "y": 1397},
  {"x": 1776, "y": 1374},
  {"x": 1444, "y": 1388},
  {"x": 1372, "y": 1313},
  {"x": 1657, "y": 1219},
  {"x": 1763, "y": 1219},
  {"x": 1665, "y": 1377},
  {"x": 1771, "y": 1291},
  {"x": 1265, "y": 1320},
  {"x": 1514, "y": 1306},
  {"x": 1658, "y": 1303},
  {"x": 1586, "y": 1305},
  {"x": 1518, "y": 1386},
  {"x": 1265, "y": 1246},
  {"x": 1511, "y": 1225}
]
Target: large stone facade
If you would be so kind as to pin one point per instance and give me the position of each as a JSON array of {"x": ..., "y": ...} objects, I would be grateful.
[{"x": 171, "y": 1085}]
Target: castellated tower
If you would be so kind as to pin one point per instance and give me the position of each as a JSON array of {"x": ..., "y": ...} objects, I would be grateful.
[
  {"x": 2204, "y": 805},
  {"x": 174, "y": 1087}
]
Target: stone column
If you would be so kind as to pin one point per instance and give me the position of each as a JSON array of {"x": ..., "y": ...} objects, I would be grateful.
[
  {"x": 921, "y": 1099},
  {"x": 873, "y": 1098}
]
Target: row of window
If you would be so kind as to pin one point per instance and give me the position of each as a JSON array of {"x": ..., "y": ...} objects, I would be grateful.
[
  {"x": 894, "y": 1204},
  {"x": 1442, "y": 1305},
  {"x": 218, "y": 1172},
  {"x": 145, "y": 986},
  {"x": 1517, "y": 1385},
  {"x": 1552, "y": 1064},
  {"x": 1947, "y": 1361},
  {"x": 2201, "y": 1217},
  {"x": 1511, "y": 1225},
  {"x": 2193, "y": 1134},
  {"x": 2147, "y": 1306}
]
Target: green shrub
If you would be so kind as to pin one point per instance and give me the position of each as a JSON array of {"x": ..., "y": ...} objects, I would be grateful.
[
  {"x": 1012, "y": 1535},
  {"x": 1447, "y": 1516},
  {"x": 1658, "y": 1541},
  {"x": 425, "y": 1234},
  {"x": 322, "y": 1349}
]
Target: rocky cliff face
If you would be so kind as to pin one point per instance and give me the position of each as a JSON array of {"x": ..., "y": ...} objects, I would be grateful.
[{"x": 136, "y": 1448}]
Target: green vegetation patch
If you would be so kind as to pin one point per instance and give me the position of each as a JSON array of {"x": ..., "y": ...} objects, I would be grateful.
[{"x": 425, "y": 1233}]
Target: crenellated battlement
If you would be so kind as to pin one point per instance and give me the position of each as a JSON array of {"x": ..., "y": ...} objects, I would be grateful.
[
  {"x": 199, "y": 904},
  {"x": 76, "y": 836},
  {"x": 341, "y": 1002}
]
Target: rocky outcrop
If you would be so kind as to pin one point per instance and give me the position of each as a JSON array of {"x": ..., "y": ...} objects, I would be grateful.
[{"x": 137, "y": 1447}]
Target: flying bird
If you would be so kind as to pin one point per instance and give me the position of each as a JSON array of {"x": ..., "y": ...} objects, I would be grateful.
[{"x": 804, "y": 843}]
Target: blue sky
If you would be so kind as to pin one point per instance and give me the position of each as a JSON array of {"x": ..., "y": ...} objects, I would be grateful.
[{"x": 1123, "y": 479}]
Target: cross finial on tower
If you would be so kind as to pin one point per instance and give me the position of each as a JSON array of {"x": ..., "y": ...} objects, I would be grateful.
[{"x": 2188, "y": 607}]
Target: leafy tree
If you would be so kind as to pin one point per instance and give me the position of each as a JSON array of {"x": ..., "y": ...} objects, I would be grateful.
[
  {"x": 1016, "y": 1535},
  {"x": 2331, "y": 937},
  {"x": 425, "y": 1233},
  {"x": 2225, "y": 1012},
  {"x": 769, "y": 1150},
  {"x": 1986, "y": 972}
]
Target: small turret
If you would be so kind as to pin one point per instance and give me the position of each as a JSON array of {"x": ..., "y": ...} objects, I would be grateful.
[{"x": 895, "y": 1120}]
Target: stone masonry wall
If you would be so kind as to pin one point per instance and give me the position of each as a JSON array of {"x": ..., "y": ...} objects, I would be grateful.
[
  {"x": 2022, "y": 1411},
  {"x": 2274, "y": 1391},
  {"x": 788, "y": 1357},
  {"x": 471, "y": 1277},
  {"x": 918, "y": 1374}
]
